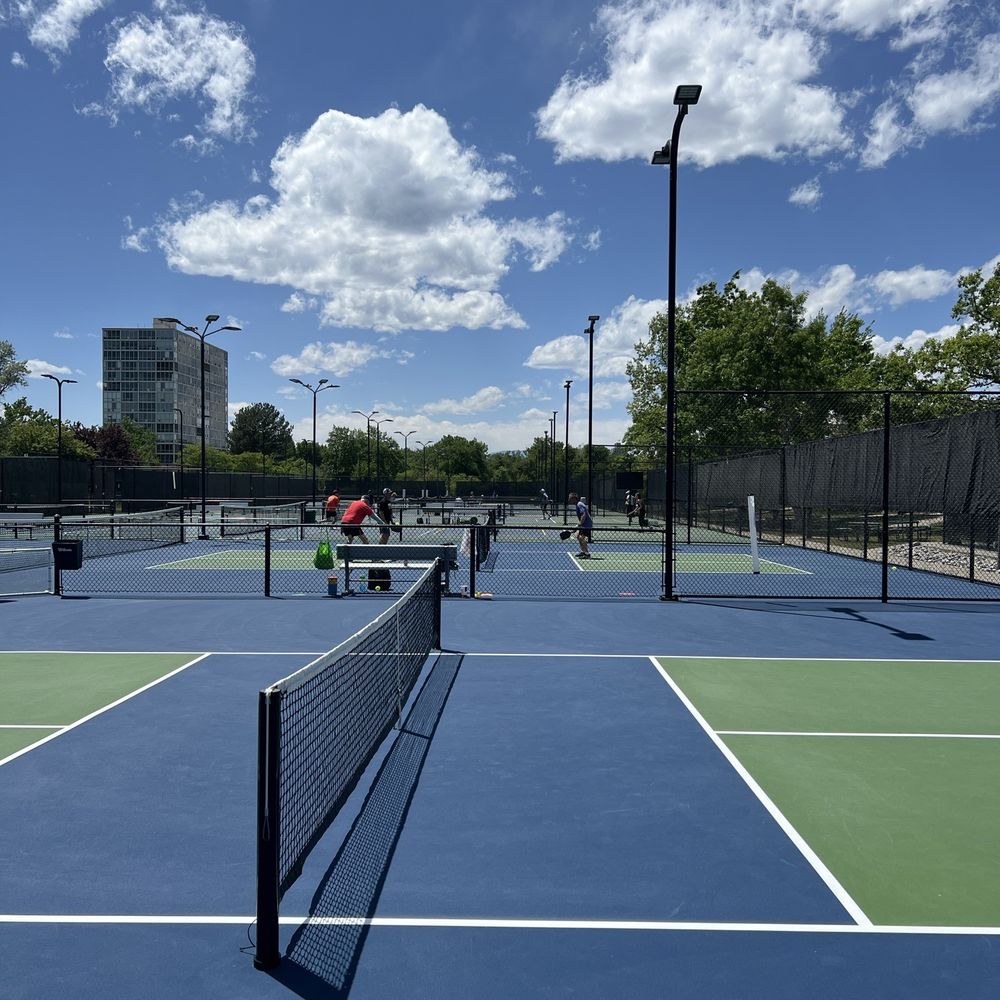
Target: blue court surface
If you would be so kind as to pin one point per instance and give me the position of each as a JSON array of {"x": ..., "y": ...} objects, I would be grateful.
[{"x": 562, "y": 813}]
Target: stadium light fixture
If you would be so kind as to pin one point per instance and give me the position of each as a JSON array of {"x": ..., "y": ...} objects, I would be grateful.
[
  {"x": 685, "y": 96},
  {"x": 323, "y": 383}
]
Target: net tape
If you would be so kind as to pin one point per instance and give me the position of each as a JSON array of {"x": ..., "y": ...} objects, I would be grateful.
[
  {"x": 337, "y": 710},
  {"x": 110, "y": 534}
]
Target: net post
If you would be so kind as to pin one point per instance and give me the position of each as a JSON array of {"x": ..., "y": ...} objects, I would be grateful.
[
  {"x": 267, "y": 560},
  {"x": 56, "y": 571},
  {"x": 886, "y": 452},
  {"x": 268, "y": 953},
  {"x": 438, "y": 587},
  {"x": 473, "y": 557}
]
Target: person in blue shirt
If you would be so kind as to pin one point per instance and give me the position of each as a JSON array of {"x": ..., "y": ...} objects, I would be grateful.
[{"x": 585, "y": 524}]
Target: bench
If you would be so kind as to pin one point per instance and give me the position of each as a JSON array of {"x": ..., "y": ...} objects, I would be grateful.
[{"x": 396, "y": 557}]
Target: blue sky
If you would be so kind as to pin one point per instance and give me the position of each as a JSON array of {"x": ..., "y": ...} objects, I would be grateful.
[{"x": 424, "y": 202}]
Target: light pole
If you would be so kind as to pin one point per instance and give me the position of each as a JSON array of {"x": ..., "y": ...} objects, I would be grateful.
[
  {"x": 406, "y": 464},
  {"x": 553, "y": 476},
  {"x": 684, "y": 97},
  {"x": 320, "y": 386},
  {"x": 202, "y": 335},
  {"x": 590, "y": 415},
  {"x": 60, "y": 382},
  {"x": 546, "y": 462},
  {"x": 378, "y": 450},
  {"x": 180, "y": 450},
  {"x": 423, "y": 454},
  {"x": 566, "y": 386},
  {"x": 368, "y": 420}
]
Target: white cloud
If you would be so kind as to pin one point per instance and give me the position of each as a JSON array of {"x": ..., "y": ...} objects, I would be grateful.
[
  {"x": 614, "y": 341},
  {"x": 37, "y": 368},
  {"x": 807, "y": 195},
  {"x": 339, "y": 358},
  {"x": 53, "y": 27},
  {"x": 866, "y": 18},
  {"x": 18, "y": 60},
  {"x": 915, "y": 284},
  {"x": 913, "y": 341},
  {"x": 256, "y": 356},
  {"x": 63, "y": 335},
  {"x": 383, "y": 219},
  {"x": 593, "y": 240},
  {"x": 296, "y": 303},
  {"x": 181, "y": 54},
  {"x": 487, "y": 398},
  {"x": 136, "y": 239},
  {"x": 734, "y": 49},
  {"x": 609, "y": 394}
]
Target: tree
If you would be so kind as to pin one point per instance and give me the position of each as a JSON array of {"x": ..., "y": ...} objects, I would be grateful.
[
  {"x": 215, "y": 460},
  {"x": 737, "y": 339},
  {"x": 25, "y": 430},
  {"x": 260, "y": 427},
  {"x": 122, "y": 443},
  {"x": 971, "y": 358},
  {"x": 345, "y": 454},
  {"x": 12, "y": 372},
  {"x": 460, "y": 457}
]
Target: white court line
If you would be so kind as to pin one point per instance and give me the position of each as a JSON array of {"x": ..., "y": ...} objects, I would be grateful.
[
  {"x": 101, "y": 711},
  {"x": 843, "y": 896},
  {"x": 500, "y": 923},
  {"x": 907, "y": 736},
  {"x": 17, "y": 725},
  {"x": 150, "y": 652}
]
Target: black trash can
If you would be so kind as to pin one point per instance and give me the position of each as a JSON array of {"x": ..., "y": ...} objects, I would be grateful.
[{"x": 68, "y": 554}]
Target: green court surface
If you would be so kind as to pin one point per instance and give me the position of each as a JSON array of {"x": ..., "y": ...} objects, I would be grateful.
[
  {"x": 886, "y": 768},
  {"x": 603, "y": 559},
  {"x": 247, "y": 558},
  {"x": 45, "y": 692}
]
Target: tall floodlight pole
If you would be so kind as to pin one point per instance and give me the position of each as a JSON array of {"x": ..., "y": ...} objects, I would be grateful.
[
  {"x": 566, "y": 386},
  {"x": 368, "y": 419},
  {"x": 406, "y": 464},
  {"x": 590, "y": 414},
  {"x": 378, "y": 450},
  {"x": 180, "y": 450},
  {"x": 546, "y": 460},
  {"x": 554, "y": 480},
  {"x": 322, "y": 384},
  {"x": 60, "y": 382},
  {"x": 202, "y": 335},
  {"x": 684, "y": 97}
]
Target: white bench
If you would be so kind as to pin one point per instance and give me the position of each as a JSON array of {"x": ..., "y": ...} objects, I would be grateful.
[{"x": 396, "y": 557}]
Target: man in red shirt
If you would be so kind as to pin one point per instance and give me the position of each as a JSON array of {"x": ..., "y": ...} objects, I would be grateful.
[
  {"x": 354, "y": 516},
  {"x": 332, "y": 505}
]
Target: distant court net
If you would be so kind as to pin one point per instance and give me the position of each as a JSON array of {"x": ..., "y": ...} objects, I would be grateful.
[
  {"x": 318, "y": 730},
  {"x": 240, "y": 520},
  {"x": 112, "y": 534}
]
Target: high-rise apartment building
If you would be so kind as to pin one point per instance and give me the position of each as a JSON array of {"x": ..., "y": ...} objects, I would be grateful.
[{"x": 152, "y": 375}]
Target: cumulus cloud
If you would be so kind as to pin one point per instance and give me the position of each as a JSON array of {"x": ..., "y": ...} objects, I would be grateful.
[
  {"x": 18, "y": 60},
  {"x": 340, "y": 358},
  {"x": 610, "y": 394},
  {"x": 913, "y": 341},
  {"x": 840, "y": 287},
  {"x": 296, "y": 303},
  {"x": 767, "y": 92},
  {"x": 383, "y": 220},
  {"x": 53, "y": 27},
  {"x": 37, "y": 368},
  {"x": 487, "y": 398},
  {"x": 181, "y": 55},
  {"x": 63, "y": 335},
  {"x": 614, "y": 341},
  {"x": 734, "y": 49},
  {"x": 807, "y": 195}
]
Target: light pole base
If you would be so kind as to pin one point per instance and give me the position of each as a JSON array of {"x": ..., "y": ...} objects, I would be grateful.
[{"x": 671, "y": 597}]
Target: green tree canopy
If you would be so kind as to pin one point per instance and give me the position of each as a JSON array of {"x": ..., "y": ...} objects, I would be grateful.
[
  {"x": 460, "y": 458},
  {"x": 124, "y": 443},
  {"x": 25, "y": 430},
  {"x": 12, "y": 372},
  {"x": 345, "y": 454},
  {"x": 260, "y": 427}
]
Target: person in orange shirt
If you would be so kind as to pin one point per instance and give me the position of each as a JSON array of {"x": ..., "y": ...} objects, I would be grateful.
[{"x": 332, "y": 506}]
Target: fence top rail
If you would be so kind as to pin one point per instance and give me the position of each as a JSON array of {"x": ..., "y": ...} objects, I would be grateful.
[{"x": 838, "y": 392}]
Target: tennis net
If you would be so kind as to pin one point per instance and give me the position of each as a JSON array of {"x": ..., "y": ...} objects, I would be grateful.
[
  {"x": 240, "y": 520},
  {"x": 318, "y": 730}
]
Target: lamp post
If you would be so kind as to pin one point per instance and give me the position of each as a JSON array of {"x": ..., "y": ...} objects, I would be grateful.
[
  {"x": 202, "y": 335},
  {"x": 406, "y": 464},
  {"x": 378, "y": 450},
  {"x": 590, "y": 414},
  {"x": 320, "y": 386},
  {"x": 554, "y": 478},
  {"x": 684, "y": 97},
  {"x": 423, "y": 454},
  {"x": 60, "y": 382},
  {"x": 368, "y": 420},
  {"x": 180, "y": 450},
  {"x": 545, "y": 463},
  {"x": 566, "y": 386}
]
